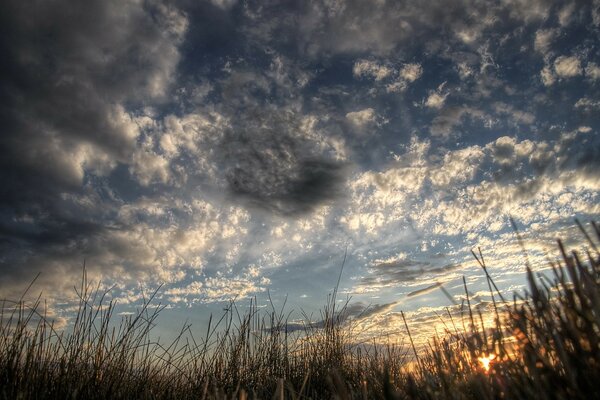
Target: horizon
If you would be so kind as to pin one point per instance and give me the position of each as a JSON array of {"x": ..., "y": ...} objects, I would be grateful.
[{"x": 231, "y": 150}]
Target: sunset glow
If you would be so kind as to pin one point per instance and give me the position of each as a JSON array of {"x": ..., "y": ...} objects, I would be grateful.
[{"x": 486, "y": 361}]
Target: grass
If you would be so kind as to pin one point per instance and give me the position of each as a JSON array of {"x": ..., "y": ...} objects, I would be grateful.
[{"x": 544, "y": 344}]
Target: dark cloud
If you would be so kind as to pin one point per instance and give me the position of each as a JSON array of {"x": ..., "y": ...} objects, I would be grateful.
[
  {"x": 360, "y": 310},
  {"x": 68, "y": 72},
  {"x": 401, "y": 271},
  {"x": 271, "y": 162},
  {"x": 264, "y": 184},
  {"x": 424, "y": 290},
  {"x": 356, "y": 311},
  {"x": 70, "y": 75}
]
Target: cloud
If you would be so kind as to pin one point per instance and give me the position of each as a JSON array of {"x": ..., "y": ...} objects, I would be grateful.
[
  {"x": 353, "y": 312},
  {"x": 596, "y": 13},
  {"x": 326, "y": 27},
  {"x": 371, "y": 69},
  {"x": 457, "y": 167},
  {"x": 149, "y": 167},
  {"x": 587, "y": 104},
  {"x": 396, "y": 272},
  {"x": 219, "y": 288},
  {"x": 313, "y": 182},
  {"x": 565, "y": 15},
  {"x": 411, "y": 72},
  {"x": 75, "y": 97},
  {"x": 363, "y": 118},
  {"x": 592, "y": 71},
  {"x": 71, "y": 75},
  {"x": 567, "y": 67},
  {"x": 271, "y": 162},
  {"x": 528, "y": 11},
  {"x": 547, "y": 75},
  {"x": 449, "y": 117},
  {"x": 407, "y": 74},
  {"x": 152, "y": 240},
  {"x": 518, "y": 116},
  {"x": 224, "y": 4},
  {"x": 464, "y": 70},
  {"x": 436, "y": 98},
  {"x": 543, "y": 40},
  {"x": 214, "y": 142},
  {"x": 473, "y": 189},
  {"x": 564, "y": 67},
  {"x": 382, "y": 27},
  {"x": 362, "y": 311}
]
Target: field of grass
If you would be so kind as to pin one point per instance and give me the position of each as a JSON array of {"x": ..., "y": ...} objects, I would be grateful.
[{"x": 543, "y": 344}]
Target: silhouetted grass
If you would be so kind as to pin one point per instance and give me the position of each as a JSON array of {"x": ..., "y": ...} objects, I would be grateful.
[{"x": 544, "y": 344}]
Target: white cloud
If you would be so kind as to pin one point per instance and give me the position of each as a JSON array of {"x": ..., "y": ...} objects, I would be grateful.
[
  {"x": 468, "y": 35},
  {"x": 543, "y": 39},
  {"x": 154, "y": 240},
  {"x": 449, "y": 117},
  {"x": 587, "y": 104},
  {"x": 407, "y": 74},
  {"x": 474, "y": 188},
  {"x": 457, "y": 167},
  {"x": 563, "y": 67},
  {"x": 464, "y": 70},
  {"x": 381, "y": 197},
  {"x": 567, "y": 67},
  {"x": 517, "y": 116},
  {"x": 397, "y": 86},
  {"x": 547, "y": 75},
  {"x": 592, "y": 71},
  {"x": 220, "y": 288},
  {"x": 149, "y": 167},
  {"x": 486, "y": 58},
  {"x": 437, "y": 98},
  {"x": 191, "y": 133},
  {"x": 381, "y": 27},
  {"x": 362, "y": 118},
  {"x": 371, "y": 69},
  {"x": 158, "y": 154},
  {"x": 506, "y": 150},
  {"x": 411, "y": 72},
  {"x": 224, "y": 4},
  {"x": 527, "y": 10},
  {"x": 565, "y": 15}
]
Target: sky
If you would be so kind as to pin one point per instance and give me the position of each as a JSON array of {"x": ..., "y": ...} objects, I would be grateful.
[{"x": 228, "y": 149}]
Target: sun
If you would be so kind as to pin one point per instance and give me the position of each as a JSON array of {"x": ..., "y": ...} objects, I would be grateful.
[{"x": 486, "y": 361}]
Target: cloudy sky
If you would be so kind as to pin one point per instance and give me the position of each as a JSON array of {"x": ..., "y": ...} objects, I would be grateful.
[{"x": 232, "y": 148}]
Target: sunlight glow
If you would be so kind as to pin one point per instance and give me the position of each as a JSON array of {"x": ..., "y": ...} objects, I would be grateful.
[{"x": 486, "y": 361}]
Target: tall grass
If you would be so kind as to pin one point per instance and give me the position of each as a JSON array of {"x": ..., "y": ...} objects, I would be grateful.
[{"x": 542, "y": 344}]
